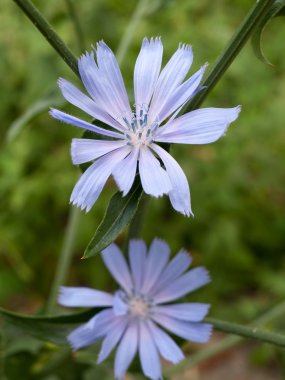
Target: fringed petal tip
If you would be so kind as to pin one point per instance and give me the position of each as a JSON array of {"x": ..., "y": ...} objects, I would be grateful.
[
  {"x": 74, "y": 347},
  {"x": 206, "y": 275},
  {"x": 183, "y": 46},
  {"x": 53, "y": 112},
  {"x": 61, "y": 82},
  {"x": 209, "y": 332},
  {"x": 237, "y": 111},
  {"x": 61, "y": 295},
  {"x": 151, "y": 40},
  {"x": 186, "y": 212},
  {"x": 80, "y": 205}
]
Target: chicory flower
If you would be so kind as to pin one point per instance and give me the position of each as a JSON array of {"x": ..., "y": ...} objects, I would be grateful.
[
  {"x": 136, "y": 315},
  {"x": 132, "y": 137}
]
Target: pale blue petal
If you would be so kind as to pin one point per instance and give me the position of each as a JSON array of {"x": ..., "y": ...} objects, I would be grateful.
[
  {"x": 170, "y": 78},
  {"x": 118, "y": 267},
  {"x": 83, "y": 297},
  {"x": 178, "y": 265},
  {"x": 201, "y": 126},
  {"x": 180, "y": 194},
  {"x": 92, "y": 181},
  {"x": 155, "y": 180},
  {"x": 98, "y": 86},
  {"x": 126, "y": 350},
  {"x": 182, "y": 94},
  {"x": 69, "y": 119},
  {"x": 193, "y": 331},
  {"x": 124, "y": 173},
  {"x": 117, "y": 328},
  {"x": 120, "y": 306},
  {"x": 90, "y": 332},
  {"x": 173, "y": 116},
  {"x": 88, "y": 72},
  {"x": 85, "y": 150},
  {"x": 147, "y": 69},
  {"x": 74, "y": 96},
  {"x": 166, "y": 346},
  {"x": 148, "y": 353},
  {"x": 109, "y": 70},
  {"x": 191, "y": 312},
  {"x": 188, "y": 282},
  {"x": 156, "y": 261},
  {"x": 137, "y": 259}
]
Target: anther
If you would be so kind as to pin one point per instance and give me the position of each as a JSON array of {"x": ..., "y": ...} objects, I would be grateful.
[{"x": 126, "y": 121}]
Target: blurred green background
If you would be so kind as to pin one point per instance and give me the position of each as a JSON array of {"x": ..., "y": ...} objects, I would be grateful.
[{"x": 237, "y": 183}]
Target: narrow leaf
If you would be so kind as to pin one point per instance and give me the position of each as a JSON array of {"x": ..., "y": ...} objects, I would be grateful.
[
  {"x": 118, "y": 215},
  {"x": 34, "y": 110},
  {"x": 52, "y": 329},
  {"x": 277, "y": 9}
]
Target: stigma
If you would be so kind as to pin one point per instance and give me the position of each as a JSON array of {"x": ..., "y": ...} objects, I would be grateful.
[{"x": 140, "y": 131}]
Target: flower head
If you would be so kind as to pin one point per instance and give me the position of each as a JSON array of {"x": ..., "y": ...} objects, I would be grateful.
[
  {"x": 132, "y": 137},
  {"x": 136, "y": 312}
]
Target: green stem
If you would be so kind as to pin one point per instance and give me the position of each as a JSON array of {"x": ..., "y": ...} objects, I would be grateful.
[
  {"x": 272, "y": 314},
  {"x": 247, "y": 332},
  {"x": 235, "y": 45},
  {"x": 48, "y": 32},
  {"x": 77, "y": 27},
  {"x": 64, "y": 257}
]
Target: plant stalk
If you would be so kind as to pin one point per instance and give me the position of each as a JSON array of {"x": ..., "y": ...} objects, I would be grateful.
[
  {"x": 233, "y": 48},
  {"x": 272, "y": 314}
]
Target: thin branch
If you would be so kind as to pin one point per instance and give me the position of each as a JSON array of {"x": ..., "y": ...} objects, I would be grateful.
[
  {"x": 248, "y": 332},
  {"x": 233, "y": 48},
  {"x": 230, "y": 341}
]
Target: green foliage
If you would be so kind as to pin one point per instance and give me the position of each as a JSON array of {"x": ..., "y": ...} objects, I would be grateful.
[
  {"x": 119, "y": 214},
  {"x": 51, "y": 329},
  {"x": 277, "y": 9}
]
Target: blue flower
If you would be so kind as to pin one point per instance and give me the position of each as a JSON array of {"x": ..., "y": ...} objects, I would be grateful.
[
  {"x": 132, "y": 138},
  {"x": 135, "y": 314}
]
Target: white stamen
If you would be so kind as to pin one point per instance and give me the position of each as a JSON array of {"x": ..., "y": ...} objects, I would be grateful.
[{"x": 139, "y": 131}]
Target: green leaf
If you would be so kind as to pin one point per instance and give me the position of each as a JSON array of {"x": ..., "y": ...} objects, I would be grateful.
[
  {"x": 277, "y": 9},
  {"x": 118, "y": 215},
  {"x": 52, "y": 329}
]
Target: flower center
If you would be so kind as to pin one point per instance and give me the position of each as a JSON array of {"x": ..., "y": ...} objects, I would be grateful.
[
  {"x": 135, "y": 304},
  {"x": 140, "y": 131},
  {"x": 139, "y": 307}
]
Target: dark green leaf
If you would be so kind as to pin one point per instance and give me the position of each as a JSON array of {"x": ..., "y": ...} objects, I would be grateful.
[
  {"x": 277, "y": 9},
  {"x": 52, "y": 329},
  {"x": 118, "y": 215}
]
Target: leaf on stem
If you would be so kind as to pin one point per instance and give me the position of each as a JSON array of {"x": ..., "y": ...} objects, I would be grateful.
[
  {"x": 277, "y": 9},
  {"x": 118, "y": 215},
  {"x": 52, "y": 329}
]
